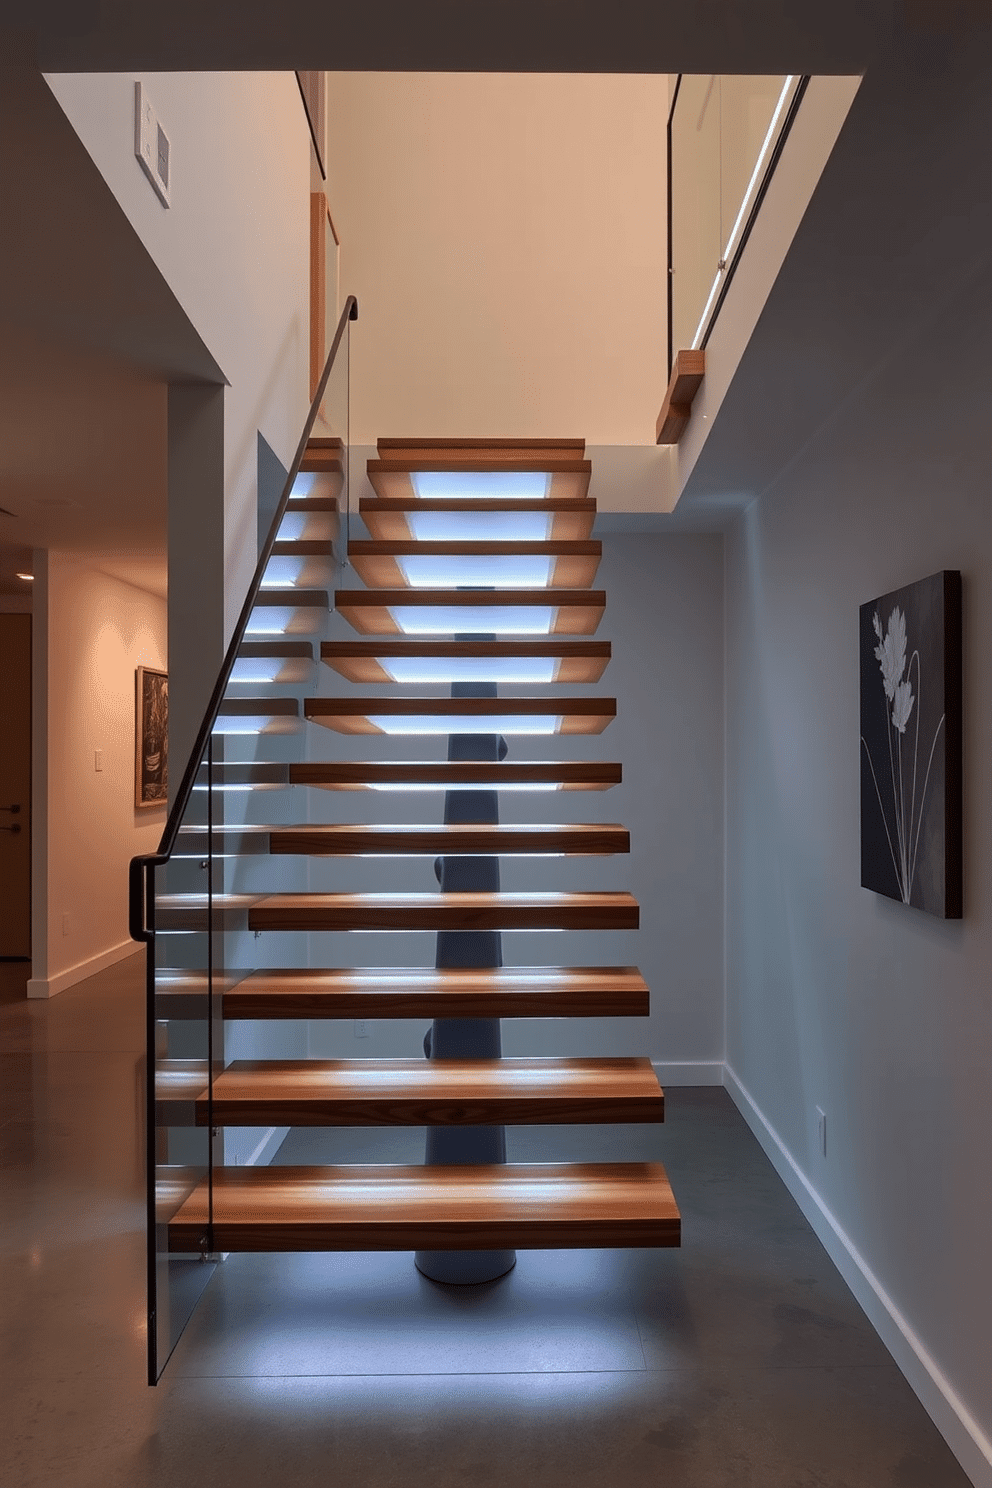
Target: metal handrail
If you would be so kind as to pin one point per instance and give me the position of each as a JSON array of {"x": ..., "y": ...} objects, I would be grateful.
[{"x": 139, "y": 877}]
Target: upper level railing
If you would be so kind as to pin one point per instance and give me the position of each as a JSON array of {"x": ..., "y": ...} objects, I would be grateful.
[
  {"x": 725, "y": 136},
  {"x": 188, "y": 900}
]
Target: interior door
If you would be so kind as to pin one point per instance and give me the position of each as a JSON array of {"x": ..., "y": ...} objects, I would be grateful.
[{"x": 15, "y": 787}]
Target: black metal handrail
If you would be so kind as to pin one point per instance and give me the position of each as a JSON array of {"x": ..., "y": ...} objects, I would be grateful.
[{"x": 139, "y": 878}]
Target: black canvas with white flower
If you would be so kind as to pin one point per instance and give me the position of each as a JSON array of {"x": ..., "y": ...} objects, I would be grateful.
[{"x": 911, "y": 744}]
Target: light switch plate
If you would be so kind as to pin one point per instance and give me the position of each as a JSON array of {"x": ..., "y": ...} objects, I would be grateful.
[{"x": 151, "y": 145}]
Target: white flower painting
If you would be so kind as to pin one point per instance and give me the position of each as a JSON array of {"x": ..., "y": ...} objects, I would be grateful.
[{"x": 910, "y": 745}]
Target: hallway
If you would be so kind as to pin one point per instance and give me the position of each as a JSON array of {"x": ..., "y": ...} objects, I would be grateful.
[{"x": 741, "y": 1361}]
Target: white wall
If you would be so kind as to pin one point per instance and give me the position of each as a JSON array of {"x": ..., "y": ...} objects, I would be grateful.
[
  {"x": 91, "y": 632},
  {"x": 837, "y": 997},
  {"x": 505, "y": 236},
  {"x": 234, "y": 248}
]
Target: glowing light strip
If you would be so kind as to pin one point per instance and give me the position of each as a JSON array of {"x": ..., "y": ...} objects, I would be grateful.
[{"x": 725, "y": 256}]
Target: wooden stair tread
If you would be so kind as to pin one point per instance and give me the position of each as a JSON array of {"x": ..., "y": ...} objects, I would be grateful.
[
  {"x": 392, "y": 1207},
  {"x": 470, "y": 444},
  {"x": 279, "y": 646},
  {"x": 293, "y": 598},
  {"x": 450, "y": 838},
  {"x": 453, "y": 911},
  {"x": 193, "y": 912},
  {"x": 428, "y": 992},
  {"x": 303, "y": 547},
  {"x": 421, "y": 1092},
  {"x": 358, "y": 715},
  {"x": 370, "y": 611},
  {"x": 369, "y": 774},
  {"x": 380, "y": 563},
  {"x": 479, "y": 462},
  {"x": 368, "y": 661},
  {"x": 567, "y": 518}
]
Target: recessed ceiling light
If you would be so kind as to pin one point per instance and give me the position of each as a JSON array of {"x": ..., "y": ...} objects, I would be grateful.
[{"x": 25, "y": 576}]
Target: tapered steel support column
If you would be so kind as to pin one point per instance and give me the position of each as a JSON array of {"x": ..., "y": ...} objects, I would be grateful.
[{"x": 467, "y": 1038}]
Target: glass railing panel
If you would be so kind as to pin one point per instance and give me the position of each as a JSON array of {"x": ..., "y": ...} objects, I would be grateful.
[
  {"x": 725, "y": 133},
  {"x": 190, "y": 903},
  {"x": 695, "y": 201},
  {"x": 181, "y": 1008}
]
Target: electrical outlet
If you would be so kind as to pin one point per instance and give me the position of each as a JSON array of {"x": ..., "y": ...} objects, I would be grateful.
[
  {"x": 821, "y": 1131},
  {"x": 151, "y": 145},
  {"x": 361, "y": 1028},
  {"x": 98, "y": 760}
]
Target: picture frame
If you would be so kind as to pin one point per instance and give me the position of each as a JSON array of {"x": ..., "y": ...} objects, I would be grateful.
[
  {"x": 911, "y": 767},
  {"x": 151, "y": 738}
]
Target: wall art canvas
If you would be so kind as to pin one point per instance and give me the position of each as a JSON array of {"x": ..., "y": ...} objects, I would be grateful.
[
  {"x": 911, "y": 745},
  {"x": 151, "y": 733}
]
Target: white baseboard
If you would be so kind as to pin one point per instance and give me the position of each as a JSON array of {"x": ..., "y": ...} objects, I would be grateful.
[
  {"x": 52, "y": 986},
  {"x": 963, "y": 1434},
  {"x": 689, "y": 1071}
]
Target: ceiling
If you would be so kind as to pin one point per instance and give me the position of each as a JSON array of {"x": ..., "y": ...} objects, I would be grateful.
[{"x": 825, "y": 36}]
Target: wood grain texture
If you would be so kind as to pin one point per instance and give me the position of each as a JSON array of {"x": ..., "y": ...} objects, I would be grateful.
[
  {"x": 369, "y": 661},
  {"x": 435, "y": 1092},
  {"x": 356, "y": 715},
  {"x": 194, "y": 912},
  {"x": 687, "y": 374},
  {"x": 367, "y": 774},
  {"x": 346, "y": 840},
  {"x": 520, "y": 1205},
  {"x": 465, "y": 911},
  {"x": 426, "y": 992}
]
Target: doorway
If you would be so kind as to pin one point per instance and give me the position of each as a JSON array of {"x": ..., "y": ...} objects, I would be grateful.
[{"x": 15, "y": 787}]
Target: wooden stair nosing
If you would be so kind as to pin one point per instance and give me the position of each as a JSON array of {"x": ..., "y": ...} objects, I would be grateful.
[
  {"x": 418, "y": 1092},
  {"x": 466, "y": 547},
  {"x": 289, "y": 598},
  {"x": 278, "y": 648},
  {"x": 303, "y": 547},
  {"x": 453, "y": 707},
  {"x": 581, "y": 505},
  {"x": 426, "y": 992},
  {"x": 467, "y": 598},
  {"x": 448, "y": 839},
  {"x": 460, "y": 443},
  {"x": 451, "y": 911},
  {"x": 286, "y": 707},
  {"x": 523, "y": 1206},
  {"x": 362, "y": 661},
  {"x": 362, "y": 774},
  {"x": 532, "y": 463}
]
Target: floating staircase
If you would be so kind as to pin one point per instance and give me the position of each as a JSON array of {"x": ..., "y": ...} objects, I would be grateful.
[{"x": 477, "y": 571}]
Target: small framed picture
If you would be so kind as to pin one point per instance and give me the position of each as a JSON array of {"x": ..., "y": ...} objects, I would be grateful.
[{"x": 151, "y": 737}]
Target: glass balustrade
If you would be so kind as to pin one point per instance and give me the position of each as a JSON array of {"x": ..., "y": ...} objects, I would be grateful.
[
  {"x": 190, "y": 902},
  {"x": 724, "y": 137}
]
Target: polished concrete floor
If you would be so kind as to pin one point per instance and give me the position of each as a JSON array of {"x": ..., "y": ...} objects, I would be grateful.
[{"x": 741, "y": 1361}]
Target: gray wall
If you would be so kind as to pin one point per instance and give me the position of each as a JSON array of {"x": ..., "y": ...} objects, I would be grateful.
[
  {"x": 838, "y": 997},
  {"x": 665, "y": 619}
]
